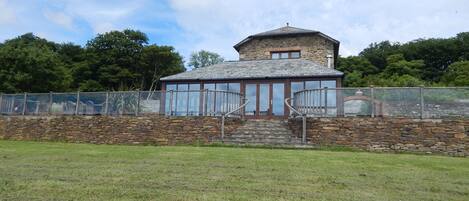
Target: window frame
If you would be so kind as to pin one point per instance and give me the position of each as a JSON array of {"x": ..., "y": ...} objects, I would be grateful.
[{"x": 279, "y": 53}]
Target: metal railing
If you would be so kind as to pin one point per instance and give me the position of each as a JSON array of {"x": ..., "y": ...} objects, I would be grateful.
[
  {"x": 303, "y": 119},
  {"x": 413, "y": 102},
  {"x": 236, "y": 110},
  {"x": 169, "y": 103}
]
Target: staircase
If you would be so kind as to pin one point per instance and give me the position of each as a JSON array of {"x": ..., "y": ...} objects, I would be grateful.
[{"x": 263, "y": 132}]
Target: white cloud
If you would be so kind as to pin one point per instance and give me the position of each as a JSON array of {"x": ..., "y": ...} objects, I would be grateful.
[
  {"x": 217, "y": 25},
  {"x": 7, "y": 14},
  {"x": 60, "y": 18}
]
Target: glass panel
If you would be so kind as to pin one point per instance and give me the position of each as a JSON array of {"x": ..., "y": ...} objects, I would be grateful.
[
  {"x": 275, "y": 55},
  {"x": 92, "y": 103},
  {"x": 251, "y": 96},
  {"x": 278, "y": 99},
  {"x": 170, "y": 107},
  {"x": 220, "y": 97},
  {"x": 264, "y": 99},
  {"x": 295, "y": 55},
  {"x": 284, "y": 55},
  {"x": 37, "y": 104},
  {"x": 331, "y": 94},
  {"x": 181, "y": 100},
  {"x": 194, "y": 99},
  {"x": 64, "y": 103},
  {"x": 210, "y": 99},
  {"x": 235, "y": 87},
  {"x": 150, "y": 102}
]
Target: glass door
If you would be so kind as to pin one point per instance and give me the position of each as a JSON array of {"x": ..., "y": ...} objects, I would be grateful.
[{"x": 265, "y": 100}]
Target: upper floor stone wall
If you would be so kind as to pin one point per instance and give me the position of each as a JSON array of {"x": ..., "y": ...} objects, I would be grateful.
[{"x": 314, "y": 48}]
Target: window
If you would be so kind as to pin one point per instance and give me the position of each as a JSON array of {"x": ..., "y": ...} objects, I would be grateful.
[{"x": 285, "y": 55}]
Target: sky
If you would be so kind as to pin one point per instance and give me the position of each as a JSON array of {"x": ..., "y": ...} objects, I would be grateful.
[{"x": 216, "y": 25}]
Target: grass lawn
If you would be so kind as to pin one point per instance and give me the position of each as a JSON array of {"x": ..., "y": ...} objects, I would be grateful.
[{"x": 58, "y": 171}]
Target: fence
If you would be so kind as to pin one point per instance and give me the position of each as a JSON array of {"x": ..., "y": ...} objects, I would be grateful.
[
  {"x": 414, "y": 102},
  {"x": 171, "y": 103}
]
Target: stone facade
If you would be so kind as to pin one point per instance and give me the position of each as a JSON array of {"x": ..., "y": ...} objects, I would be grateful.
[
  {"x": 152, "y": 130},
  {"x": 314, "y": 48},
  {"x": 447, "y": 136}
]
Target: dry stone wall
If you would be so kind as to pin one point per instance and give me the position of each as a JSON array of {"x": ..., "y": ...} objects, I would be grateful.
[
  {"x": 447, "y": 136},
  {"x": 153, "y": 130}
]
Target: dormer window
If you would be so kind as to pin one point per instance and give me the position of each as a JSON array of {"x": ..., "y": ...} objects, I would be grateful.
[{"x": 285, "y": 55}]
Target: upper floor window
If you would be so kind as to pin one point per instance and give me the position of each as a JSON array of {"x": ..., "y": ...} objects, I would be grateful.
[{"x": 285, "y": 55}]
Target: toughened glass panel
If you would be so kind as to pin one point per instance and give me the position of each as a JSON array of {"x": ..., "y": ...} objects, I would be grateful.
[
  {"x": 264, "y": 99},
  {"x": 331, "y": 94},
  {"x": 37, "y": 104},
  {"x": 170, "y": 100},
  {"x": 194, "y": 99},
  {"x": 92, "y": 103},
  {"x": 64, "y": 103},
  {"x": 182, "y": 100},
  {"x": 210, "y": 99},
  {"x": 150, "y": 102},
  {"x": 251, "y": 96},
  {"x": 278, "y": 99}
]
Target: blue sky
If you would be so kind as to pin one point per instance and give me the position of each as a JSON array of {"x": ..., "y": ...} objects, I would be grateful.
[{"x": 214, "y": 25}]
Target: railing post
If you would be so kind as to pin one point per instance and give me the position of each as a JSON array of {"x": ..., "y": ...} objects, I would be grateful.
[
  {"x": 138, "y": 103},
  {"x": 24, "y": 102},
  {"x": 106, "y": 103},
  {"x": 372, "y": 91},
  {"x": 422, "y": 108},
  {"x": 325, "y": 101}
]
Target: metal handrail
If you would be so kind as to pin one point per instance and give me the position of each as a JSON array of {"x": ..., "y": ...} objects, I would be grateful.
[
  {"x": 303, "y": 116},
  {"x": 228, "y": 113}
]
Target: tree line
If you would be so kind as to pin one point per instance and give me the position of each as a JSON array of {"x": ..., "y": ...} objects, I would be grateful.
[
  {"x": 124, "y": 60},
  {"x": 116, "y": 60},
  {"x": 422, "y": 62}
]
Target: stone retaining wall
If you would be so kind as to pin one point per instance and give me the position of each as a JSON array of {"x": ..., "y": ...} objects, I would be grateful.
[
  {"x": 447, "y": 136},
  {"x": 154, "y": 130}
]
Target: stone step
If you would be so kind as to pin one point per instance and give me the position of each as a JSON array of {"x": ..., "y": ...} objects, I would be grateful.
[
  {"x": 261, "y": 136},
  {"x": 265, "y": 132},
  {"x": 262, "y": 141},
  {"x": 289, "y": 133}
]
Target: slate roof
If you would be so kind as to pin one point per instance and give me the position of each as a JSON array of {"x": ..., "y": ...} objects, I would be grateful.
[
  {"x": 257, "y": 69},
  {"x": 284, "y": 31}
]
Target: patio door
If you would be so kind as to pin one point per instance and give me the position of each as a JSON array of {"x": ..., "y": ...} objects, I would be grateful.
[{"x": 265, "y": 100}]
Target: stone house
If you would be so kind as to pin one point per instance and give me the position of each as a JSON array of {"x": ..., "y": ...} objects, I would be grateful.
[{"x": 272, "y": 66}]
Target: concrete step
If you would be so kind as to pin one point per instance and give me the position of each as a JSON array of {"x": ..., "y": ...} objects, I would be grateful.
[{"x": 264, "y": 132}]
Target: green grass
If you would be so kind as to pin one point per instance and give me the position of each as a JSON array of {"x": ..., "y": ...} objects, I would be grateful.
[{"x": 58, "y": 171}]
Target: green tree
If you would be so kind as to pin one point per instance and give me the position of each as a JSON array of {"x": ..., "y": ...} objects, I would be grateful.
[
  {"x": 114, "y": 60},
  {"x": 157, "y": 62},
  {"x": 204, "y": 58},
  {"x": 31, "y": 64},
  {"x": 355, "y": 68},
  {"x": 397, "y": 65},
  {"x": 376, "y": 53},
  {"x": 457, "y": 74}
]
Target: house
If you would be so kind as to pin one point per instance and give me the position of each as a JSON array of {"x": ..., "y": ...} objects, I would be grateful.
[{"x": 272, "y": 66}]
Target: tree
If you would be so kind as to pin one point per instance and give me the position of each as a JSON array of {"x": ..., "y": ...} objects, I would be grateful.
[
  {"x": 113, "y": 60},
  {"x": 376, "y": 53},
  {"x": 204, "y": 58},
  {"x": 157, "y": 62},
  {"x": 397, "y": 65},
  {"x": 457, "y": 75},
  {"x": 31, "y": 64},
  {"x": 355, "y": 69}
]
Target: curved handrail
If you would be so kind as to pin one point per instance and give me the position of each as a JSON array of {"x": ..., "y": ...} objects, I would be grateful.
[
  {"x": 291, "y": 107},
  {"x": 228, "y": 113},
  {"x": 303, "y": 117}
]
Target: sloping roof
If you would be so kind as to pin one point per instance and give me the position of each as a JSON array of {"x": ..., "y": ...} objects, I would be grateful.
[
  {"x": 284, "y": 31},
  {"x": 282, "y": 68}
]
